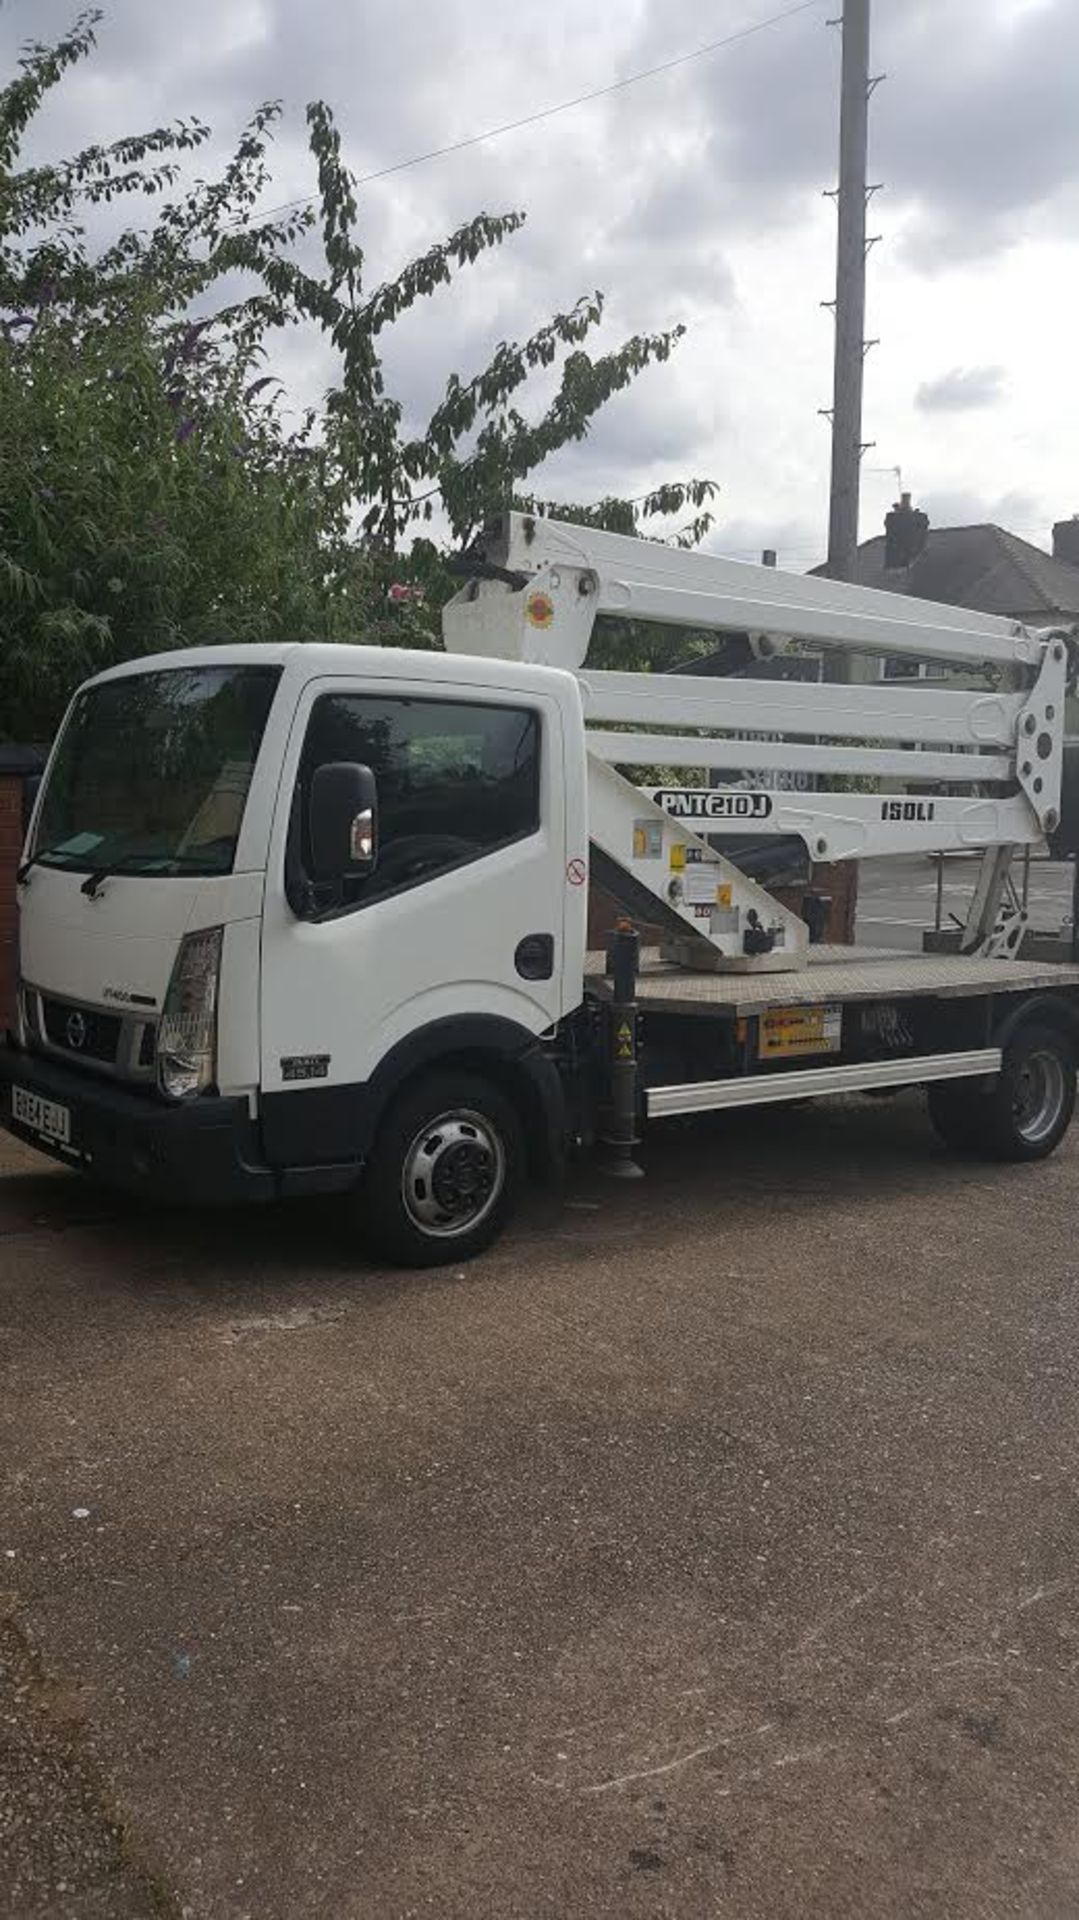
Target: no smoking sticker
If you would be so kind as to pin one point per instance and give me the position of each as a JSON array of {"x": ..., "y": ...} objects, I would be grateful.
[{"x": 576, "y": 873}]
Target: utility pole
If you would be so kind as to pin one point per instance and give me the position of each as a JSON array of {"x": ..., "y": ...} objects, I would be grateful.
[{"x": 850, "y": 341}]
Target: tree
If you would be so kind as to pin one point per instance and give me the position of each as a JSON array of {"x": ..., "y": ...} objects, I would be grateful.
[{"x": 153, "y": 492}]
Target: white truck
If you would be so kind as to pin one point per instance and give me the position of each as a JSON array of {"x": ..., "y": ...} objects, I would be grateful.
[{"x": 311, "y": 919}]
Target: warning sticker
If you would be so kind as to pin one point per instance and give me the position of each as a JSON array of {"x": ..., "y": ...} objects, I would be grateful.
[
  {"x": 648, "y": 839},
  {"x": 539, "y": 610},
  {"x": 678, "y": 858},
  {"x": 788, "y": 1031},
  {"x": 702, "y": 884}
]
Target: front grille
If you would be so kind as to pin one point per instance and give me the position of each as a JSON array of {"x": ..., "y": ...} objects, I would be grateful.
[{"x": 80, "y": 1031}]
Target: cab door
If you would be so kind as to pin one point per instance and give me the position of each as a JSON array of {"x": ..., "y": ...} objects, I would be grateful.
[{"x": 462, "y": 915}]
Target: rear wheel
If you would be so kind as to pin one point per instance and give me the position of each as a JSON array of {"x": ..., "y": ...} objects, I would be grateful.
[
  {"x": 1026, "y": 1112},
  {"x": 444, "y": 1173},
  {"x": 955, "y": 1108}
]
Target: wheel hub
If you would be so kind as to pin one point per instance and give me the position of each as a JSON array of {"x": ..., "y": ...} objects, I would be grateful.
[
  {"x": 1039, "y": 1095},
  {"x": 453, "y": 1174},
  {"x": 462, "y": 1174}
]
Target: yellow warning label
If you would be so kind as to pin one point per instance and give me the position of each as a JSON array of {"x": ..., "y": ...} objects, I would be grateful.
[
  {"x": 678, "y": 858},
  {"x": 786, "y": 1031},
  {"x": 723, "y": 896}
]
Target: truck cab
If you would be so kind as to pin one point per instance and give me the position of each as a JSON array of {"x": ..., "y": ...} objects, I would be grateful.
[{"x": 272, "y": 893}]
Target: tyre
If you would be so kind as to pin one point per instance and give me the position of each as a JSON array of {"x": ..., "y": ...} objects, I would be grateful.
[
  {"x": 1026, "y": 1112},
  {"x": 444, "y": 1173},
  {"x": 955, "y": 1111}
]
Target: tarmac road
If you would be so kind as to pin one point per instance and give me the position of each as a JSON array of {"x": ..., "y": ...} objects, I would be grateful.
[
  {"x": 897, "y": 897},
  {"x": 711, "y": 1547}
]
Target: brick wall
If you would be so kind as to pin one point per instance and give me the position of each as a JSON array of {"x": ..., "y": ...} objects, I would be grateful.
[
  {"x": 838, "y": 882},
  {"x": 10, "y": 848},
  {"x": 17, "y": 766}
]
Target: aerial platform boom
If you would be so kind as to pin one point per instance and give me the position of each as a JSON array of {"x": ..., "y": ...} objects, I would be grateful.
[{"x": 535, "y": 591}]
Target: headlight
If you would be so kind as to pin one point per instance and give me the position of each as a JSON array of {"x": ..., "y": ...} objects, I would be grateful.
[{"x": 187, "y": 1033}]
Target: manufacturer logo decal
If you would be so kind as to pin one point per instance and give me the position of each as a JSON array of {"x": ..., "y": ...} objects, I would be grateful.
[
  {"x": 908, "y": 810},
  {"x": 703, "y": 803},
  {"x": 305, "y": 1066},
  {"x": 75, "y": 1030}
]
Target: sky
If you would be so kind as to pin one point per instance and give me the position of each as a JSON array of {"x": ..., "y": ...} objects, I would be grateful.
[{"x": 697, "y": 196}]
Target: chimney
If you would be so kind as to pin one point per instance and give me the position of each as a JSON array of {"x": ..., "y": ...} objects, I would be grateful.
[
  {"x": 906, "y": 530},
  {"x": 1066, "y": 540}
]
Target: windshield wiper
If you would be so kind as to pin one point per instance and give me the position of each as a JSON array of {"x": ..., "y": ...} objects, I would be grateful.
[
  {"x": 152, "y": 863},
  {"x": 22, "y": 874},
  {"x": 127, "y": 863},
  {"x": 93, "y": 880}
]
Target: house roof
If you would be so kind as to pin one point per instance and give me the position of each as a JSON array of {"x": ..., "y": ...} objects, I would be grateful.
[{"x": 984, "y": 568}]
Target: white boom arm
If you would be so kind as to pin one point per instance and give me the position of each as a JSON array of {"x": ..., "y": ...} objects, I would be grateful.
[{"x": 537, "y": 589}]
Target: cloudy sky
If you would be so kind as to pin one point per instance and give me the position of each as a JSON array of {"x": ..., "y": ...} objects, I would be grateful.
[{"x": 695, "y": 196}]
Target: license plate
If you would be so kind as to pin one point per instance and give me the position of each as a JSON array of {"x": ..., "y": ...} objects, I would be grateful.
[{"x": 45, "y": 1117}]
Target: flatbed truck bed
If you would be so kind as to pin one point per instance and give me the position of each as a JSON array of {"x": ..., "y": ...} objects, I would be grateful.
[
  {"x": 846, "y": 1020},
  {"x": 846, "y": 974}
]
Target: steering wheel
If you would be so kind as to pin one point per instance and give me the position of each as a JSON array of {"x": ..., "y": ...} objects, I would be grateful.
[{"x": 415, "y": 854}]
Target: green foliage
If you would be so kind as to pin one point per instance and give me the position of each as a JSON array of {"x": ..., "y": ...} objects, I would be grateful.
[
  {"x": 149, "y": 497},
  {"x": 153, "y": 492}
]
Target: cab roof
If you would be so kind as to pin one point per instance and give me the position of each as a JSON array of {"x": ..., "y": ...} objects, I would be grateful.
[{"x": 302, "y": 661}]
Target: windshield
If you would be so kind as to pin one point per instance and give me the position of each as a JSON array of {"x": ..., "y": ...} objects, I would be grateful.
[{"x": 152, "y": 771}]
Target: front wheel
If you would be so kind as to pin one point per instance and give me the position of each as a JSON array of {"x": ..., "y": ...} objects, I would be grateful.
[
  {"x": 444, "y": 1173},
  {"x": 1027, "y": 1111}
]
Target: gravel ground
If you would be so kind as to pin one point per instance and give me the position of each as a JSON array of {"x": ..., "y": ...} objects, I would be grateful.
[{"x": 708, "y": 1548}]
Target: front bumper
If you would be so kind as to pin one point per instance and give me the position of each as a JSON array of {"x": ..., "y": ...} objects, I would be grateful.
[{"x": 203, "y": 1152}]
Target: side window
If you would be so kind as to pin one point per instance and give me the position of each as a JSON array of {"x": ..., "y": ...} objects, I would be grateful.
[{"x": 455, "y": 780}]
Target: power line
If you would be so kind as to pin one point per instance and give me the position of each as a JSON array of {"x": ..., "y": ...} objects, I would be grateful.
[{"x": 563, "y": 106}]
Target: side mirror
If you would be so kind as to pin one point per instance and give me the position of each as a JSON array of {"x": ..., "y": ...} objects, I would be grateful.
[{"x": 343, "y": 821}]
